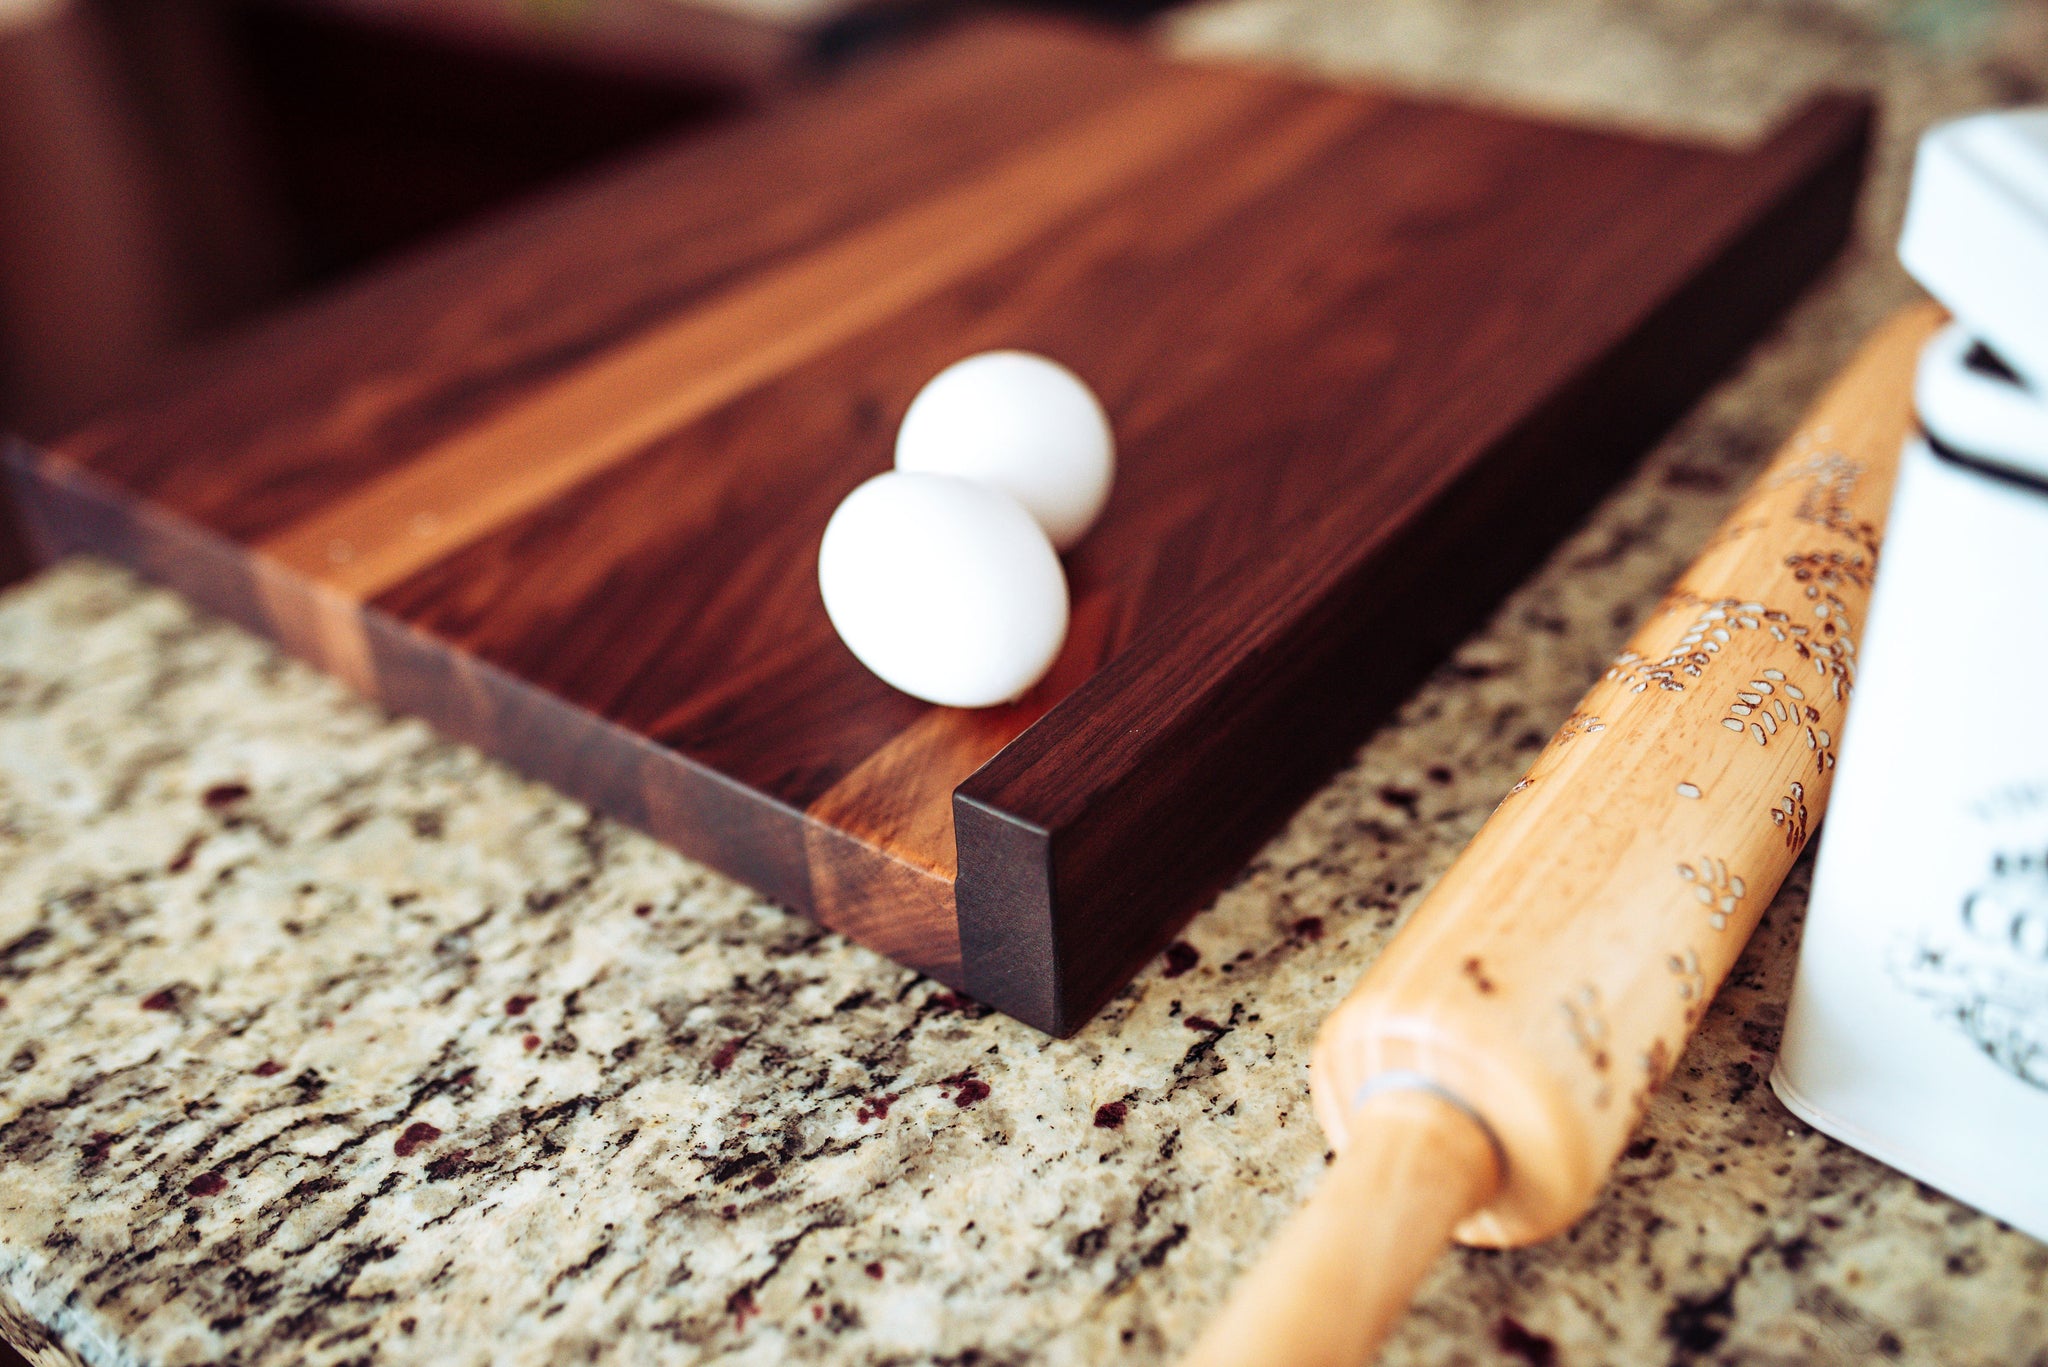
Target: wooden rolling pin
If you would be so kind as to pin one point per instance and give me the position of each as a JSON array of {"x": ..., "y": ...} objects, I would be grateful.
[{"x": 1481, "y": 1079}]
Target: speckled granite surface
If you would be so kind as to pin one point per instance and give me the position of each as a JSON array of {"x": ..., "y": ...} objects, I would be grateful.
[{"x": 326, "y": 1041}]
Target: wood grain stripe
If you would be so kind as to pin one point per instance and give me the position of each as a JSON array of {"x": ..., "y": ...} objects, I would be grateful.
[
  {"x": 518, "y": 461},
  {"x": 900, "y": 798}
]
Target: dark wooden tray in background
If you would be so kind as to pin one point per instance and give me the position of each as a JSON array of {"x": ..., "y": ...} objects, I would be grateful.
[{"x": 558, "y": 486}]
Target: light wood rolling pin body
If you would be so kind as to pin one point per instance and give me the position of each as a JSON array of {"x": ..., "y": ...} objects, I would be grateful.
[{"x": 1481, "y": 1079}]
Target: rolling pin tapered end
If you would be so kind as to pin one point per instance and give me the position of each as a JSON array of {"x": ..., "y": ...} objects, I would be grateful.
[{"x": 1337, "y": 1278}]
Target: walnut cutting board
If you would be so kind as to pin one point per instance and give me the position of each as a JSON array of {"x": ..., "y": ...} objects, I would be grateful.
[{"x": 558, "y": 485}]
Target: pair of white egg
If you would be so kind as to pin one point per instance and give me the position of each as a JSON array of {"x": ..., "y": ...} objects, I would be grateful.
[{"x": 943, "y": 575}]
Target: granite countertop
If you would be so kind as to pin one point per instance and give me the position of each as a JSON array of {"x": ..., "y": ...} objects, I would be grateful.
[{"x": 329, "y": 1041}]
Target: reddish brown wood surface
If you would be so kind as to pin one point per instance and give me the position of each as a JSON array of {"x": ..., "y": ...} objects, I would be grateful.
[{"x": 559, "y": 486}]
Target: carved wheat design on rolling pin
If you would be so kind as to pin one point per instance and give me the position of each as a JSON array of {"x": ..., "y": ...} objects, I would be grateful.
[{"x": 1603, "y": 905}]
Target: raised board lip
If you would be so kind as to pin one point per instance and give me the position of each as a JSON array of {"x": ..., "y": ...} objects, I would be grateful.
[
  {"x": 1826, "y": 119},
  {"x": 1827, "y": 133}
]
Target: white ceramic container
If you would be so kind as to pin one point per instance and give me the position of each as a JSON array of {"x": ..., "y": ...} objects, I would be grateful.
[{"x": 1918, "y": 1026}]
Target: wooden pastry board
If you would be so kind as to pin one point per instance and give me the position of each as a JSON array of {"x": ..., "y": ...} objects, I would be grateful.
[{"x": 557, "y": 486}]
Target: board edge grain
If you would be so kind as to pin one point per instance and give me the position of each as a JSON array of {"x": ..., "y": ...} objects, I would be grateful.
[{"x": 66, "y": 508}]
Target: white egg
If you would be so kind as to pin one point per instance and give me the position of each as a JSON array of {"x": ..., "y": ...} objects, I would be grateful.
[
  {"x": 944, "y": 587},
  {"x": 1022, "y": 423}
]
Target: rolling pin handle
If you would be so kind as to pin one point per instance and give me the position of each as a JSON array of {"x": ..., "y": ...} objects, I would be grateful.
[{"x": 1340, "y": 1274}]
